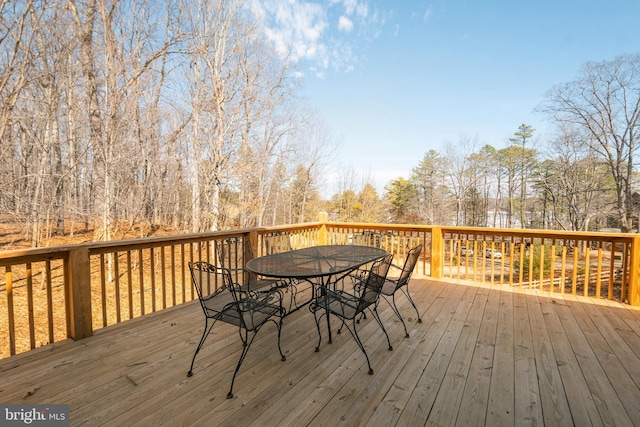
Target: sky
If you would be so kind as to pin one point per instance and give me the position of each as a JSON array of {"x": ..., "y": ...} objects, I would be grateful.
[{"x": 395, "y": 79}]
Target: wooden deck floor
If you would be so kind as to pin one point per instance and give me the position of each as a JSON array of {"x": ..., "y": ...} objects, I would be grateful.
[{"x": 484, "y": 355}]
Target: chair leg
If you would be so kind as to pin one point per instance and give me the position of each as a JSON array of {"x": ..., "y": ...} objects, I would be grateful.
[
  {"x": 354, "y": 333},
  {"x": 246, "y": 343},
  {"x": 393, "y": 306},
  {"x": 314, "y": 308},
  {"x": 205, "y": 334},
  {"x": 279, "y": 326},
  {"x": 377, "y": 317},
  {"x": 343, "y": 325},
  {"x": 406, "y": 292}
]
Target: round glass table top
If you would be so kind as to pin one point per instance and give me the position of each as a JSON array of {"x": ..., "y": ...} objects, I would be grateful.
[{"x": 315, "y": 261}]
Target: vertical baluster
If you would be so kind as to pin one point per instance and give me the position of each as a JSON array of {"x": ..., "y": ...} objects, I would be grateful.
[
  {"x": 173, "y": 275},
  {"x": 130, "y": 284},
  {"x": 612, "y": 269},
  {"x": 531, "y": 257},
  {"x": 587, "y": 265},
  {"x": 103, "y": 289},
  {"x": 10, "y": 311},
  {"x": 32, "y": 332},
  {"x": 47, "y": 270},
  {"x": 541, "y": 275},
  {"x": 574, "y": 276},
  {"x": 626, "y": 248},
  {"x": 564, "y": 266},
  {"x": 141, "y": 281},
  {"x": 191, "y": 259},
  {"x": 552, "y": 270},
  {"x": 152, "y": 274},
  {"x": 502, "y": 260},
  {"x": 512, "y": 249},
  {"x": 454, "y": 245},
  {"x": 183, "y": 273},
  {"x": 521, "y": 272},
  {"x": 163, "y": 277},
  {"x": 116, "y": 272},
  {"x": 599, "y": 271}
]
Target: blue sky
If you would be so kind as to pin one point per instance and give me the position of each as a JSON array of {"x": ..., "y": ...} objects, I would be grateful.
[{"x": 394, "y": 79}]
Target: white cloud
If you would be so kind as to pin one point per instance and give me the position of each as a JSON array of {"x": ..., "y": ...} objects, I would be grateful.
[
  {"x": 350, "y": 6},
  {"x": 345, "y": 24},
  {"x": 427, "y": 14},
  {"x": 362, "y": 10},
  {"x": 295, "y": 27},
  {"x": 307, "y": 30}
]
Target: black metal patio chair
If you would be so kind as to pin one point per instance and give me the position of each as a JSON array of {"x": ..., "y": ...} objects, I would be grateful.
[
  {"x": 231, "y": 304},
  {"x": 348, "y": 306},
  {"x": 393, "y": 284}
]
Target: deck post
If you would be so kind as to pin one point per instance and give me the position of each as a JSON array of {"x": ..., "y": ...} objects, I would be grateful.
[
  {"x": 437, "y": 253},
  {"x": 78, "y": 294},
  {"x": 634, "y": 272},
  {"x": 323, "y": 233},
  {"x": 253, "y": 242}
]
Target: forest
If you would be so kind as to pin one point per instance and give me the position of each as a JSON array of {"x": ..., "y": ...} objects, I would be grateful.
[{"x": 122, "y": 116}]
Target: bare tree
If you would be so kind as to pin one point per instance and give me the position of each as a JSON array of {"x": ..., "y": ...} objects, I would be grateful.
[
  {"x": 575, "y": 180},
  {"x": 458, "y": 159},
  {"x": 605, "y": 101},
  {"x": 126, "y": 113},
  {"x": 215, "y": 83}
]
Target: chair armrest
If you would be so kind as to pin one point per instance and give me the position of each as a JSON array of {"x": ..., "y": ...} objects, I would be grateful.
[
  {"x": 256, "y": 301},
  {"x": 342, "y": 297}
]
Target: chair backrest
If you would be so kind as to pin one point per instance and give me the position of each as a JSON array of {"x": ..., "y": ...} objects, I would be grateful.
[
  {"x": 251, "y": 311},
  {"x": 374, "y": 283},
  {"x": 213, "y": 288},
  {"x": 409, "y": 264},
  {"x": 206, "y": 279},
  {"x": 233, "y": 253}
]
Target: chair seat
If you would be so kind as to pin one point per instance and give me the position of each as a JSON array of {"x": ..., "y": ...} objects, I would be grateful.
[
  {"x": 389, "y": 287},
  {"x": 221, "y": 307},
  {"x": 255, "y": 317},
  {"x": 340, "y": 303}
]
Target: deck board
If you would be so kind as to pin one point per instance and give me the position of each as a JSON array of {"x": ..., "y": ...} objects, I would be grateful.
[
  {"x": 484, "y": 354},
  {"x": 501, "y": 409}
]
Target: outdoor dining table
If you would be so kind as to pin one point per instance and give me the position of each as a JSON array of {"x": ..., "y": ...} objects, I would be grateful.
[{"x": 322, "y": 266}]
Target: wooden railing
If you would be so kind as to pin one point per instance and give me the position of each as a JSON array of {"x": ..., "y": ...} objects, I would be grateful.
[
  {"x": 50, "y": 294},
  {"x": 590, "y": 264}
]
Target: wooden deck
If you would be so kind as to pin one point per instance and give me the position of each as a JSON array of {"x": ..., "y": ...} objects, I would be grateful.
[{"x": 484, "y": 355}]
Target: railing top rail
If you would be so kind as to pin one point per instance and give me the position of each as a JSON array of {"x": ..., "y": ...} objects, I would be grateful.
[
  {"x": 403, "y": 227},
  {"x": 551, "y": 234},
  {"x": 61, "y": 252}
]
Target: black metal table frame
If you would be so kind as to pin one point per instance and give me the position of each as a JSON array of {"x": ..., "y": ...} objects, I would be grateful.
[{"x": 329, "y": 263}]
